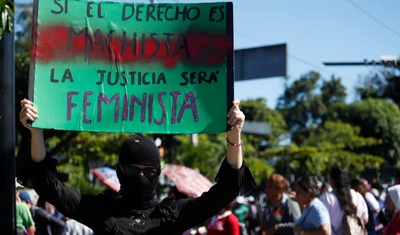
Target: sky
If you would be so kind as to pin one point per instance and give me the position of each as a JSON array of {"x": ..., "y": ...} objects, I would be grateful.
[{"x": 315, "y": 31}]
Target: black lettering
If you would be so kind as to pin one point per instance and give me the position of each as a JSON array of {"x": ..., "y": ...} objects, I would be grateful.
[
  {"x": 98, "y": 40},
  {"x": 109, "y": 43},
  {"x": 125, "y": 44},
  {"x": 123, "y": 77},
  {"x": 84, "y": 32},
  {"x": 193, "y": 13},
  {"x": 124, "y": 11},
  {"x": 99, "y": 13},
  {"x": 52, "y": 79},
  {"x": 156, "y": 42},
  {"x": 168, "y": 41},
  {"x": 88, "y": 9},
  {"x": 67, "y": 75},
  {"x": 101, "y": 73},
  {"x": 61, "y": 7},
  {"x": 166, "y": 15},
  {"x": 150, "y": 12},
  {"x": 181, "y": 43},
  {"x": 110, "y": 81},
  {"x": 183, "y": 75},
  {"x": 220, "y": 14},
  {"x": 138, "y": 12}
]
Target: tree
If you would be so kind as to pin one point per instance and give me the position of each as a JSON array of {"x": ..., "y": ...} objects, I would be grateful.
[
  {"x": 332, "y": 92},
  {"x": 206, "y": 156},
  {"x": 383, "y": 83},
  {"x": 256, "y": 110},
  {"x": 7, "y": 15},
  {"x": 305, "y": 103},
  {"x": 379, "y": 119}
]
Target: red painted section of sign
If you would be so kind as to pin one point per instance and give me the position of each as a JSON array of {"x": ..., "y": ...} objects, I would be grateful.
[{"x": 57, "y": 43}]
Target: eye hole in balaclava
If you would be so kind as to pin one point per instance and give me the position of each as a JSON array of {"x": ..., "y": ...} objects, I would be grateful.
[{"x": 138, "y": 150}]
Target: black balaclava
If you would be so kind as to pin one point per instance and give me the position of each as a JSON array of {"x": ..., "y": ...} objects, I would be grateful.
[{"x": 138, "y": 149}]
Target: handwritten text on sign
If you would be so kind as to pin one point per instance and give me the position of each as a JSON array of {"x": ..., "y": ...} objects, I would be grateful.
[{"x": 126, "y": 67}]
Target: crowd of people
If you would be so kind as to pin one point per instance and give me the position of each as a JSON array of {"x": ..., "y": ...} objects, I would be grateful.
[
  {"x": 37, "y": 217},
  {"x": 310, "y": 206}
]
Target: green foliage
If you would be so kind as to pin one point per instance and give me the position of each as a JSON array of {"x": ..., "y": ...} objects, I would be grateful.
[
  {"x": 88, "y": 148},
  {"x": 85, "y": 150},
  {"x": 206, "y": 156},
  {"x": 392, "y": 86},
  {"x": 260, "y": 170},
  {"x": 379, "y": 119},
  {"x": 309, "y": 160},
  {"x": 383, "y": 83},
  {"x": 305, "y": 103},
  {"x": 340, "y": 135},
  {"x": 7, "y": 14},
  {"x": 78, "y": 179},
  {"x": 257, "y": 111},
  {"x": 333, "y": 91}
]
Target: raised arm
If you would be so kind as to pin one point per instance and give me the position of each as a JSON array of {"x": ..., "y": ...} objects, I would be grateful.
[
  {"x": 29, "y": 113},
  {"x": 234, "y": 141}
]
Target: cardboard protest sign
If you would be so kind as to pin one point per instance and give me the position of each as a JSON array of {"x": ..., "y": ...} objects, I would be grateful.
[{"x": 132, "y": 67}]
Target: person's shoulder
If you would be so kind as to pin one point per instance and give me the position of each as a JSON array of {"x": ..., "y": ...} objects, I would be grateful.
[
  {"x": 40, "y": 211},
  {"x": 288, "y": 200},
  {"x": 355, "y": 195},
  {"x": 318, "y": 205},
  {"x": 22, "y": 206},
  {"x": 328, "y": 197},
  {"x": 369, "y": 196},
  {"x": 233, "y": 218},
  {"x": 328, "y": 194}
]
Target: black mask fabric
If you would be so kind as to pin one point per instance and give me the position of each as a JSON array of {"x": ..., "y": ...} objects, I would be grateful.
[{"x": 138, "y": 188}]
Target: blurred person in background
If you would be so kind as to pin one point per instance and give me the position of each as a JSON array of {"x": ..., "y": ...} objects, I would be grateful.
[
  {"x": 373, "y": 225},
  {"x": 252, "y": 218},
  {"x": 385, "y": 213},
  {"x": 241, "y": 210},
  {"x": 280, "y": 212},
  {"x": 45, "y": 223},
  {"x": 393, "y": 227},
  {"x": 343, "y": 200},
  {"x": 315, "y": 217},
  {"x": 224, "y": 223},
  {"x": 24, "y": 221}
]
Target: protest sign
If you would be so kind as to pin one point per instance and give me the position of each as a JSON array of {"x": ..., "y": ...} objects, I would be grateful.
[{"x": 132, "y": 67}]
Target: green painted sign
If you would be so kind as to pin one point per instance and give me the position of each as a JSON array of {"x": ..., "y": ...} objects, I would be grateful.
[{"x": 132, "y": 67}]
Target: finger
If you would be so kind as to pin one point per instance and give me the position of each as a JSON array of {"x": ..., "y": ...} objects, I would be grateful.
[
  {"x": 28, "y": 114},
  {"x": 235, "y": 106},
  {"x": 25, "y": 102},
  {"x": 32, "y": 115},
  {"x": 29, "y": 106},
  {"x": 232, "y": 120}
]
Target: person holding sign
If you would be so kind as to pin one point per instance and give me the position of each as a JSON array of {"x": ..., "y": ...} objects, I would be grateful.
[{"x": 136, "y": 211}]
